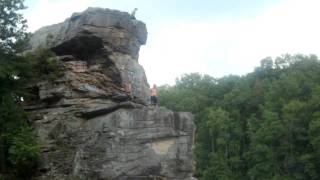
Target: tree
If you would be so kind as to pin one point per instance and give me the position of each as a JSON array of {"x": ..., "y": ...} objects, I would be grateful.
[
  {"x": 12, "y": 24},
  {"x": 12, "y": 36},
  {"x": 18, "y": 150},
  {"x": 264, "y": 125}
]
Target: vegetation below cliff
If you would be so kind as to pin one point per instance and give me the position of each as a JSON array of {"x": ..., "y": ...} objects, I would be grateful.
[
  {"x": 19, "y": 150},
  {"x": 264, "y": 125}
]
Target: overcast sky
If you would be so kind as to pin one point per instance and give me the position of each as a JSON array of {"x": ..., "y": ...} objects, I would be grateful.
[{"x": 215, "y": 37}]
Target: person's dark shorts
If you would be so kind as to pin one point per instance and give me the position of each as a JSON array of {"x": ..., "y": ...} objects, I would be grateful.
[{"x": 154, "y": 100}]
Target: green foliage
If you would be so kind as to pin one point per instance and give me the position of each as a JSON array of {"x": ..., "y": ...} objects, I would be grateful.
[
  {"x": 12, "y": 24},
  {"x": 45, "y": 65},
  {"x": 18, "y": 148},
  {"x": 24, "y": 152},
  {"x": 190, "y": 93},
  {"x": 264, "y": 125},
  {"x": 19, "y": 153}
]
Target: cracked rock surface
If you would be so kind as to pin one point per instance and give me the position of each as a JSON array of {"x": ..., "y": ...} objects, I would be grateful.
[{"x": 88, "y": 125}]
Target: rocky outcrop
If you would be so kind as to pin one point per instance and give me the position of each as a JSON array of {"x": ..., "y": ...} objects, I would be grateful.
[
  {"x": 98, "y": 41},
  {"x": 89, "y": 125}
]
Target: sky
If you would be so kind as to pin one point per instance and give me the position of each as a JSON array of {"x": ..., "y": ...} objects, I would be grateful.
[{"x": 215, "y": 37}]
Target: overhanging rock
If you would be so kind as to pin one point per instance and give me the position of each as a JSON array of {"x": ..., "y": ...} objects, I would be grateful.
[
  {"x": 107, "y": 40},
  {"x": 88, "y": 125}
]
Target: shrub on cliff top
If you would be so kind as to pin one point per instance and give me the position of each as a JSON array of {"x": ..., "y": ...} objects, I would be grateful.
[{"x": 45, "y": 65}]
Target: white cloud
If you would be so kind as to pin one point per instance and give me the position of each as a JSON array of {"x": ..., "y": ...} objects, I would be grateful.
[
  {"x": 231, "y": 46},
  {"x": 217, "y": 47}
]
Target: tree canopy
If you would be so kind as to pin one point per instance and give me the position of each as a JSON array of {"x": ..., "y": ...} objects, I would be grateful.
[
  {"x": 19, "y": 152},
  {"x": 264, "y": 125}
]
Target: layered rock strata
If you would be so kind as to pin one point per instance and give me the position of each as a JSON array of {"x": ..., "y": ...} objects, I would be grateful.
[{"x": 89, "y": 125}]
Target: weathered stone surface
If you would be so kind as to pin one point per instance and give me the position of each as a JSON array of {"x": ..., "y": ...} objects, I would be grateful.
[
  {"x": 103, "y": 39},
  {"x": 93, "y": 28},
  {"x": 126, "y": 143},
  {"x": 88, "y": 125}
]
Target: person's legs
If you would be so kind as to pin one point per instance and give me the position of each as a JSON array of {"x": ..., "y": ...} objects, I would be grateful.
[{"x": 153, "y": 100}]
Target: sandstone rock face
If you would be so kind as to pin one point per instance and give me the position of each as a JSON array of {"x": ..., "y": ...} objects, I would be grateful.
[
  {"x": 106, "y": 140},
  {"x": 88, "y": 125},
  {"x": 106, "y": 40}
]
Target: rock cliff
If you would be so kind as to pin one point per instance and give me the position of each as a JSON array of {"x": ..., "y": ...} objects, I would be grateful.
[{"x": 89, "y": 125}]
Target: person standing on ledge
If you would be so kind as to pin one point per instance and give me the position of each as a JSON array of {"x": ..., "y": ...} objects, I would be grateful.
[
  {"x": 153, "y": 98},
  {"x": 133, "y": 13}
]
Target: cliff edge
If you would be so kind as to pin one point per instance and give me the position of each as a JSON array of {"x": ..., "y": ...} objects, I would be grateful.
[{"x": 89, "y": 125}]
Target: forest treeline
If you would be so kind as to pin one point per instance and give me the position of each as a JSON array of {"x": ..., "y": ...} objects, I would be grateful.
[{"x": 264, "y": 125}]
